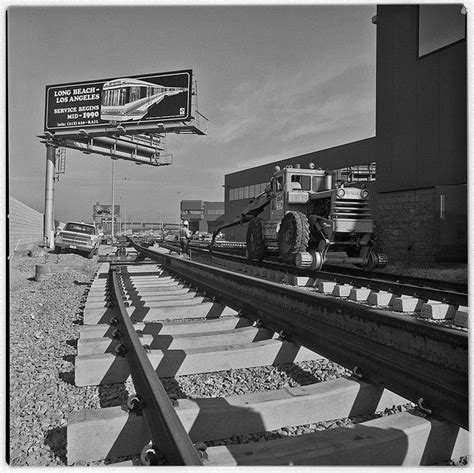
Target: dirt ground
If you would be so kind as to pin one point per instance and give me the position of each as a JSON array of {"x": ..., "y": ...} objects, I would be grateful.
[{"x": 452, "y": 272}]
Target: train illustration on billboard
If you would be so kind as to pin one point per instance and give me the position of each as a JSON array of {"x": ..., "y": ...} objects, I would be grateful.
[
  {"x": 130, "y": 99},
  {"x": 135, "y": 100}
]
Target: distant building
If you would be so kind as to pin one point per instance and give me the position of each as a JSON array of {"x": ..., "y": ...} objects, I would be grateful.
[
  {"x": 102, "y": 219},
  {"x": 201, "y": 215}
]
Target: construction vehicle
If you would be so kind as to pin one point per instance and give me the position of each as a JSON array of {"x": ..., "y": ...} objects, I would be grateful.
[{"x": 313, "y": 221}]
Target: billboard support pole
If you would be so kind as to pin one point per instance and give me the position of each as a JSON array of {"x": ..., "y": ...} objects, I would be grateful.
[{"x": 48, "y": 220}]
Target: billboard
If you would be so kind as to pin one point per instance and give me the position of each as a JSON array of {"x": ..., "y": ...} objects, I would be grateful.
[
  {"x": 149, "y": 98},
  {"x": 100, "y": 211}
]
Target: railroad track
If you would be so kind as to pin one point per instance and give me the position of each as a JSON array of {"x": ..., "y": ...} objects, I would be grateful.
[
  {"x": 171, "y": 318},
  {"x": 409, "y": 294},
  {"x": 237, "y": 250}
]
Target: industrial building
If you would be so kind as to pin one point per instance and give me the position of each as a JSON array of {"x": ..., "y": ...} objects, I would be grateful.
[
  {"x": 418, "y": 156},
  {"x": 202, "y": 216}
]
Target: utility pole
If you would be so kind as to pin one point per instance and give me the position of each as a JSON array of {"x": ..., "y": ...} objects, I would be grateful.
[{"x": 160, "y": 221}]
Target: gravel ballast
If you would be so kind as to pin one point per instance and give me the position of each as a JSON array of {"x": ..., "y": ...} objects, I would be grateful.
[
  {"x": 43, "y": 318},
  {"x": 43, "y": 330}
]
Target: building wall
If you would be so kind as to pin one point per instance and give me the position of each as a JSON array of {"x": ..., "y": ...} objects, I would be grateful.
[
  {"x": 421, "y": 124},
  {"x": 25, "y": 225},
  {"x": 421, "y": 130},
  {"x": 213, "y": 225},
  {"x": 424, "y": 224},
  {"x": 193, "y": 212},
  {"x": 201, "y": 214},
  {"x": 213, "y": 210},
  {"x": 407, "y": 224},
  {"x": 213, "y": 215}
]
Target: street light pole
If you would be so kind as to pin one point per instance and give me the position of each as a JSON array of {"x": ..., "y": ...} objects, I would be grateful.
[
  {"x": 125, "y": 202},
  {"x": 113, "y": 200},
  {"x": 179, "y": 210},
  {"x": 125, "y": 211}
]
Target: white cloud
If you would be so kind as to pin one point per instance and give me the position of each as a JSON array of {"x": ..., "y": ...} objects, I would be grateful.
[{"x": 281, "y": 110}]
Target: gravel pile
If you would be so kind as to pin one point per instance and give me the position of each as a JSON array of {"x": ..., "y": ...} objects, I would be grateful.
[{"x": 43, "y": 320}]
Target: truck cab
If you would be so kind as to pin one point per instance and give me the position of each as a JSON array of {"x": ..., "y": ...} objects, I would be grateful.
[
  {"x": 292, "y": 188},
  {"x": 78, "y": 236}
]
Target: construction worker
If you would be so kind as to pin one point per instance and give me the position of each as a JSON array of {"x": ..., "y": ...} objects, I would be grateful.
[{"x": 184, "y": 237}]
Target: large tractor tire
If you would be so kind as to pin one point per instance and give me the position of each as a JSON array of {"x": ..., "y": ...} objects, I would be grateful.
[
  {"x": 293, "y": 236},
  {"x": 255, "y": 242}
]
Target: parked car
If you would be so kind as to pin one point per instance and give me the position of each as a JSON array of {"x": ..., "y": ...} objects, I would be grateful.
[{"x": 78, "y": 236}]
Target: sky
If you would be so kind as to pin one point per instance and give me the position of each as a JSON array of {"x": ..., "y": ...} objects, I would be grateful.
[{"x": 275, "y": 81}]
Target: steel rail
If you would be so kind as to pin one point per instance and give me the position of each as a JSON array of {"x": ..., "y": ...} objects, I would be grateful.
[
  {"x": 238, "y": 249},
  {"x": 416, "y": 281},
  {"x": 414, "y": 358},
  {"x": 376, "y": 281},
  {"x": 166, "y": 430}
]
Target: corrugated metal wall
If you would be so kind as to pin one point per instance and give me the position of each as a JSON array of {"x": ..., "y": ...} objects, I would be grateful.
[{"x": 25, "y": 225}]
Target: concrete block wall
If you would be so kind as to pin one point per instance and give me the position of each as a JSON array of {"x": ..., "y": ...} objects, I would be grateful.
[
  {"x": 25, "y": 225},
  {"x": 407, "y": 220}
]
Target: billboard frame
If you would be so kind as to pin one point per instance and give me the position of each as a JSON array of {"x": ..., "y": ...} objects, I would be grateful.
[
  {"x": 106, "y": 124},
  {"x": 119, "y": 139}
]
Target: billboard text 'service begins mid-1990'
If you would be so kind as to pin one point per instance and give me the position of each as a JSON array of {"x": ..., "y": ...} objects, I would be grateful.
[{"x": 151, "y": 98}]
